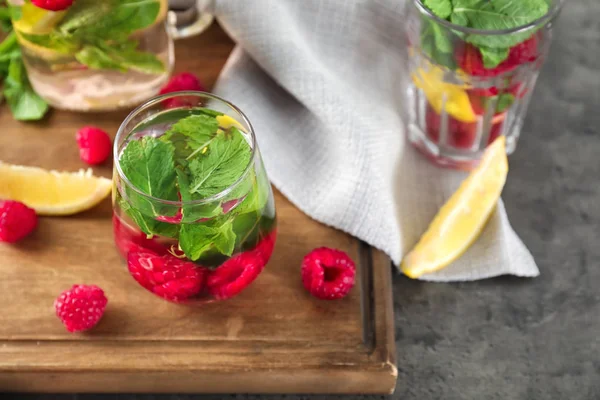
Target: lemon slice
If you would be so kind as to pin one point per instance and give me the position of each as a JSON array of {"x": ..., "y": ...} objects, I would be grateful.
[
  {"x": 36, "y": 20},
  {"x": 443, "y": 95},
  {"x": 52, "y": 192},
  {"x": 37, "y": 50},
  {"x": 460, "y": 221}
]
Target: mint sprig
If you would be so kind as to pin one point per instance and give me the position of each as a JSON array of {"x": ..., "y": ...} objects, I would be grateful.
[
  {"x": 97, "y": 34},
  {"x": 193, "y": 160},
  {"x": 24, "y": 103},
  {"x": 148, "y": 164},
  {"x": 482, "y": 15}
]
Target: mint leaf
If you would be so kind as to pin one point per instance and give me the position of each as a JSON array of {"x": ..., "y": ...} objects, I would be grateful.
[
  {"x": 173, "y": 115},
  {"x": 441, "y": 8},
  {"x": 190, "y": 136},
  {"x": 197, "y": 239},
  {"x": 258, "y": 194},
  {"x": 9, "y": 48},
  {"x": 249, "y": 213},
  {"x": 54, "y": 41},
  {"x": 196, "y": 212},
  {"x": 493, "y": 57},
  {"x": 255, "y": 199},
  {"x": 459, "y": 19},
  {"x": 504, "y": 102},
  {"x": 15, "y": 12},
  {"x": 247, "y": 228},
  {"x": 221, "y": 165},
  {"x": 437, "y": 44},
  {"x": 148, "y": 165},
  {"x": 5, "y": 21},
  {"x": 126, "y": 56},
  {"x": 499, "y": 15},
  {"x": 109, "y": 18},
  {"x": 24, "y": 103},
  {"x": 140, "y": 61},
  {"x": 96, "y": 58},
  {"x": 84, "y": 13},
  {"x": 197, "y": 127},
  {"x": 107, "y": 57}
]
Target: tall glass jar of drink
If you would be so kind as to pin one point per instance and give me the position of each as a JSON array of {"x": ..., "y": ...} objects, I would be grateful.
[{"x": 95, "y": 55}]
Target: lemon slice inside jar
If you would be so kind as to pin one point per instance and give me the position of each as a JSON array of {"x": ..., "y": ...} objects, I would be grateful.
[
  {"x": 36, "y": 20},
  {"x": 443, "y": 95}
]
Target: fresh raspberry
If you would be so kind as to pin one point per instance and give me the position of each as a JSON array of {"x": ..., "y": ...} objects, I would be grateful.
[
  {"x": 16, "y": 221},
  {"x": 166, "y": 276},
  {"x": 179, "y": 83},
  {"x": 264, "y": 248},
  {"x": 524, "y": 52},
  {"x": 517, "y": 90},
  {"x": 234, "y": 275},
  {"x": 460, "y": 134},
  {"x": 130, "y": 240},
  {"x": 81, "y": 307},
  {"x": 94, "y": 145},
  {"x": 53, "y": 5},
  {"x": 470, "y": 60},
  {"x": 495, "y": 131},
  {"x": 328, "y": 274}
]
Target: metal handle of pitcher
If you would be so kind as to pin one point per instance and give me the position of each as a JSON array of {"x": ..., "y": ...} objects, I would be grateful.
[{"x": 189, "y": 17}]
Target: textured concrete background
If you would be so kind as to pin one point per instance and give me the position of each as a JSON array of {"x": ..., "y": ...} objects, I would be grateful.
[{"x": 511, "y": 338}]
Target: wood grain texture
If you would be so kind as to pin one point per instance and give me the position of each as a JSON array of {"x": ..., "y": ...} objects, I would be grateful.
[{"x": 273, "y": 338}]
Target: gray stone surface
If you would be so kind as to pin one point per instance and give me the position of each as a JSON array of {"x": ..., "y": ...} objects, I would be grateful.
[{"x": 511, "y": 338}]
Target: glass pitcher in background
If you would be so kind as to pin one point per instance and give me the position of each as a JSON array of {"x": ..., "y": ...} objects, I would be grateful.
[{"x": 101, "y": 55}]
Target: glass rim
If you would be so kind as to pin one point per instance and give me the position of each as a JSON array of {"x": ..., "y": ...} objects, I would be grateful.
[
  {"x": 157, "y": 99},
  {"x": 543, "y": 20}
]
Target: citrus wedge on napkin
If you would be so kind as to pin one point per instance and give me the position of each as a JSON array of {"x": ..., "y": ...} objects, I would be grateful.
[
  {"x": 52, "y": 192},
  {"x": 460, "y": 221}
]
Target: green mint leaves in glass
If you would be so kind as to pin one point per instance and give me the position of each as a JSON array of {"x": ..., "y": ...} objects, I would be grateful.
[
  {"x": 194, "y": 215},
  {"x": 95, "y": 55},
  {"x": 472, "y": 68}
]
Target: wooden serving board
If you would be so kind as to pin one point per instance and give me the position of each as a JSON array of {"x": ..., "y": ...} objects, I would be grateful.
[{"x": 274, "y": 337}]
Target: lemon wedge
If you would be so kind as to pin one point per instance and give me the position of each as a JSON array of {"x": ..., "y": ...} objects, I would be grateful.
[
  {"x": 52, "y": 192},
  {"x": 460, "y": 221},
  {"x": 443, "y": 95}
]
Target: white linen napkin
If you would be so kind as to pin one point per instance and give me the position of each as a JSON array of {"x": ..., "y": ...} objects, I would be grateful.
[{"x": 320, "y": 80}]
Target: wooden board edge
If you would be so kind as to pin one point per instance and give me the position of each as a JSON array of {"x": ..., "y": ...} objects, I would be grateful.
[
  {"x": 374, "y": 372},
  {"x": 315, "y": 381},
  {"x": 385, "y": 343}
]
